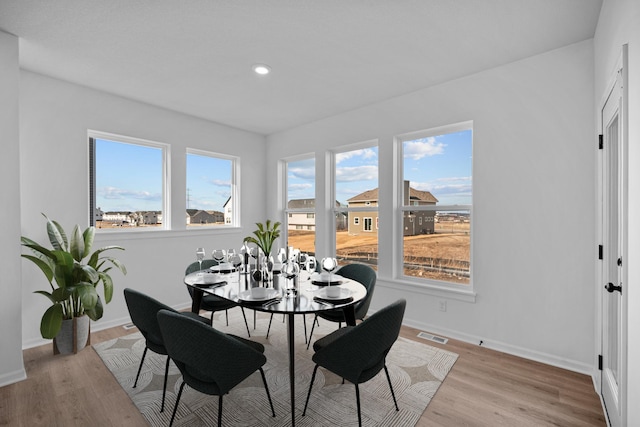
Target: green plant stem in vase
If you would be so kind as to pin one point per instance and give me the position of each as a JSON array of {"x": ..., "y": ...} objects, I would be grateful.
[{"x": 264, "y": 237}]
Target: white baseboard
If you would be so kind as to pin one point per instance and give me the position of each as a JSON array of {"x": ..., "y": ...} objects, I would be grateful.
[
  {"x": 549, "y": 359},
  {"x": 13, "y": 377}
]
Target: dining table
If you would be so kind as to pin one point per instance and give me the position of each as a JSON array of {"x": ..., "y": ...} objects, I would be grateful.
[{"x": 307, "y": 293}]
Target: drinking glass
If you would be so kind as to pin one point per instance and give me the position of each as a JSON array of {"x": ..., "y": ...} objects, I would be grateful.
[
  {"x": 291, "y": 271},
  {"x": 219, "y": 255},
  {"x": 329, "y": 265},
  {"x": 236, "y": 261},
  {"x": 200, "y": 254}
]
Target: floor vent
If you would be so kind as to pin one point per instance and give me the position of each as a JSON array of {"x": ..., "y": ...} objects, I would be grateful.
[
  {"x": 433, "y": 338},
  {"x": 129, "y": 326}
]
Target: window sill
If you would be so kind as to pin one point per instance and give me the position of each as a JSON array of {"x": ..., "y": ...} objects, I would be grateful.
[
  {"x": 133, "y": 234},
  {"x": 466, "y": 295}
]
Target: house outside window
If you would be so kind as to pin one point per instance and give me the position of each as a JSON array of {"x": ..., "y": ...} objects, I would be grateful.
[
  {"x": 211, "y": 189},
  {"x": 128, "y": 183},
  {"x": 436, "y": 188},
  {"x": 300, "y": 226},
  {"x": 356, "y": 187}
]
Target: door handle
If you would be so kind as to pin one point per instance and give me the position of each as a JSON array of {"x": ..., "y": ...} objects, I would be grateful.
[{"x": 610, "y": 287}]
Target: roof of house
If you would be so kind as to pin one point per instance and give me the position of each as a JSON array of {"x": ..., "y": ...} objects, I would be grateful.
[
  {"x": 372, "y": 195},
  {"x": 304, "y": 203}
]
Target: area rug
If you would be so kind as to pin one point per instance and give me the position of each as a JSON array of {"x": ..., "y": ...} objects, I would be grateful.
[{"x": 416, "y": 371}]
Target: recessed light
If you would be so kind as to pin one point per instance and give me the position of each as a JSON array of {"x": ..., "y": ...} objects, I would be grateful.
[{"x": 261, "y": 69}]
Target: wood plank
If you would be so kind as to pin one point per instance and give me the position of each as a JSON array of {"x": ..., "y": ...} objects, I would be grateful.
[{"x": 485, "y": 387}]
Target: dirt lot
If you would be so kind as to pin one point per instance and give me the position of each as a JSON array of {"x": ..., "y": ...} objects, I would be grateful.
[{"x": 439, "y": 253}]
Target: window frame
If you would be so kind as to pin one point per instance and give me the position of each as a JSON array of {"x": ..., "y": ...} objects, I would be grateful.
[
  {"x": 332, "y": 193},
  {"x": 235, "y": 189},
  {"x": 288, "y": 213},
  {"x": 92, "y": 136},
  {"x": 400, "y": 209}
]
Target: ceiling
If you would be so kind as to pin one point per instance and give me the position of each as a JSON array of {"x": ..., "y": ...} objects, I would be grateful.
[{"x": 327, "y": 56}]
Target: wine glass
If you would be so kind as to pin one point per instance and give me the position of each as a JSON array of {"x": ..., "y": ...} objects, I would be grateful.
[
  {"x": 236, "y": 260},
  {"x": 329, "y": 265},
  {"x": 291, "y": 271},
  {"x": 200, "y": 254},
  {"x": 219, "y": 255},
  {"x": 245, "y": 250}
]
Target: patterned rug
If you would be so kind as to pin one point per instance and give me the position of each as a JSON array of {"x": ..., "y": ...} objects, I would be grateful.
[{"x": 416, "y": 371}]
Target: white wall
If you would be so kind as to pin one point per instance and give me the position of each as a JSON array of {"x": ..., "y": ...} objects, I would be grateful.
[
  {"x": 11, "y": 367},
  {"x": 619, "y": 24},
  {"x": 55, "y": 117},
  {"x": 533, "y": 236}
]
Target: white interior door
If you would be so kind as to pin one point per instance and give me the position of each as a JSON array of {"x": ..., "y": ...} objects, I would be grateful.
[{"x": 613, "y": 379}]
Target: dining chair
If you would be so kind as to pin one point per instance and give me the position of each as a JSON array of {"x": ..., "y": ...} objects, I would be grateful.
[
  {"x": 210, "y": 302},
  {"x": 358, "y": 353},
  {"x": 210, "y": 361},
  {"x": 361, "y": 273},
  {"x": 143, "y": 310}
]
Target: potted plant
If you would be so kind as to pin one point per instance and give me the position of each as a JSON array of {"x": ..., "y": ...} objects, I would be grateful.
[
  {"x": 263, "y": 237},
  {"x": 74, "y": 273}
]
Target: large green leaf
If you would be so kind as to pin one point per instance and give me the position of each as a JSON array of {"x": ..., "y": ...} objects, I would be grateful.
[
  {"x": 93, "y": 261},
  {"x": 51, "y": 322},
  {"x": 57, "y": 236},
  {"x": 108, "y": 287},
  {"x": 76, "y": 244},
  {"x": 96, "y": 312},
  {"x": 89, "y": 235},
  {"x": 87, "y": 294}
]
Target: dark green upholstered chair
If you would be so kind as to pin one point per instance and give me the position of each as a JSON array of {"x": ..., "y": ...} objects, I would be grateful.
[
  {"x": 210, "y": 361},
  {"x": 361, "y": 273},
  {"x": 213, "y": 303},
  {"x": 358, "y": 353},
  {"x": 143, "y": 311}
]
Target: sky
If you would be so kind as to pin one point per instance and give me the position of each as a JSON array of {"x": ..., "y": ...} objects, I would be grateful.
[
  {"x": 439, "y": 164},
  {"x": 129, "y": 177}
]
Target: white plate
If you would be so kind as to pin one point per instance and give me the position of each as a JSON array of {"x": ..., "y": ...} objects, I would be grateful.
[
  {"x": 323, "y": 279},
  {"x": 344, "y": 294},
  {"x": 223, "y": 268},
  {"x": 206, "y": 280},
  {"x": 247, "y": 297}
]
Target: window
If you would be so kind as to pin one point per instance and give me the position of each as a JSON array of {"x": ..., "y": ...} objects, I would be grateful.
[
  {"x": 436, "y": 188},
  {"x": 127, "y": 182},
  {"x": 356, "y": 192},
  {"x": 300, "y": 178},
  {"x": 212, "y": 199}
]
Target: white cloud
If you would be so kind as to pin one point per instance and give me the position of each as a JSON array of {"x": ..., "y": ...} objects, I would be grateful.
[
  {"x": 302, "y": 173},
  {"x": 357, "y": 173},
  {"x": 113, "y": 193},
  {"x": 365, "y": 153},
  {"x": 420, "y": 148}
]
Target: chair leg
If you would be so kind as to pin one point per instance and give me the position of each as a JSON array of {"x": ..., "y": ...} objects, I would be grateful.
[
  {"x": 175, "y": 408},
  {"x": 269, "y": 328},
  {"x": 386, "y": 371},
  {"x": 164, "y": 389},
  {"x": 226, "y": 313},
  {"x": 144, "y": 353},
  {"x": 254, "y": 320},
  {"x": 266, "y": 387},
  {"x": 358, "y": 403},
  {"x": 220, "y": 411},
  {"x": 313, "y": 377},
  {"x": 312, "y": 328},
  {"x": 245, "y": 321}
]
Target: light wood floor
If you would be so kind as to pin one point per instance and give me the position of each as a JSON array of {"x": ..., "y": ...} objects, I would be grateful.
[{"x": 484, "y": 388}]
